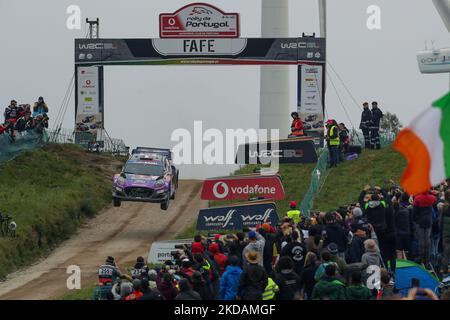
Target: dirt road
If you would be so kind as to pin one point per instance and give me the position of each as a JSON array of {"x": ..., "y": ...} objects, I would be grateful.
[{"x": 125, "y": 233}]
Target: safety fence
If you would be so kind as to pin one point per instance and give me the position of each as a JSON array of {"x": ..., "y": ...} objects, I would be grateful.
[
  {"x": 318, "y": 178},
  {"x": 28, "y": 140},
  {"x": 320, "y": 172},
  {"x": 11, "y": 147}
]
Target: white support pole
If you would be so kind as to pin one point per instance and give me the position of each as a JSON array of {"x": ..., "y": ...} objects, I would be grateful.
[
  {"x": 274, "y": 105},
  {"x": 323, "y": 18},
  {"x": 443, "y": 7}
]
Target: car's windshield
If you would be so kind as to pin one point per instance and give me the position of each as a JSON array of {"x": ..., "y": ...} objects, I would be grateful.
[{"x": 145, "y": 169}]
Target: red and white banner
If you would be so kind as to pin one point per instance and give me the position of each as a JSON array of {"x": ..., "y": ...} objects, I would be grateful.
[
  {"x": 242, "y": 187},
  {"x": 199, "y": 20}
]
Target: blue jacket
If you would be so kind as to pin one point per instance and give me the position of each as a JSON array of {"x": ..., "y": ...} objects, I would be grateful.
[{"x": 230, "y": 282}]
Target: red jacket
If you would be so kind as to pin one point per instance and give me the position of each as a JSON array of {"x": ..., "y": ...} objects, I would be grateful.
[
  {"x": 424, "y": 200},
  {"x": 197, "y": 247},
  {"x": 135, "y": 295},
  {"x": 297, "y": 126},
  {"x": 220, "y": 258}
]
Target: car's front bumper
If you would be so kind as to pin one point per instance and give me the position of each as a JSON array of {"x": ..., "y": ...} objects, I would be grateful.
[{"x": 154, "y": 196}]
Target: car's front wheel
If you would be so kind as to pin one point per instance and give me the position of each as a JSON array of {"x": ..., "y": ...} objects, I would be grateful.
[
  {"x": 165, "y": 204},
  {"x": 117, "y": 202}
]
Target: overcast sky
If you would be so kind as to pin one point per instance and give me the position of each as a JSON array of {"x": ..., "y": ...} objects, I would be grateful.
[{"x": 145, "y": 104}]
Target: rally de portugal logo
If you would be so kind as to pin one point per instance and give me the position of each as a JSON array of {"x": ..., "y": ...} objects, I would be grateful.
[{"x": 199, "y": 20}]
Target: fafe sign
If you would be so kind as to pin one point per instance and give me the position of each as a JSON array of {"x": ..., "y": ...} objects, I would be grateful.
[
  {"x": 199, "y": 20},
  {"x": 242, "y": 187},
  {"x": 238, "y": 217}
]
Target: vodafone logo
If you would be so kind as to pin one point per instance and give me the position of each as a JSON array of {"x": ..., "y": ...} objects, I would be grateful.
[{"x": 220, "y": 190}]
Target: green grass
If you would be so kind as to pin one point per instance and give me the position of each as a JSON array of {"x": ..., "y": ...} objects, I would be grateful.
[
  {"x": 49, "y": 192},
  {"x": 344, "y": 183},
  {"x": 85, "y": 293}
]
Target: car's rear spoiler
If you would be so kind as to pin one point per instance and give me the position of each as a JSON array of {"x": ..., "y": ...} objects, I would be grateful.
[{"x": 165, "y": 152}]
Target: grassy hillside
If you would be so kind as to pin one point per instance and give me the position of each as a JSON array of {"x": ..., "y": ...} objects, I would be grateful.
[
  {"x": 344, "y": 183},
  {"x": 49, "y": 192}
]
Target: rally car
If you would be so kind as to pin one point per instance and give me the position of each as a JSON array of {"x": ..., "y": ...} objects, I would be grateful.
[{"x": 146, "y": 178}]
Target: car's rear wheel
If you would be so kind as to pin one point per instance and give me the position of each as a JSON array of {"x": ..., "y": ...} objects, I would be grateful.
[{"x": 117, "y": 202}]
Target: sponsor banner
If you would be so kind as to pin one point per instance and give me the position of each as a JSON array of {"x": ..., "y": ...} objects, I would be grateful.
[
  {"x": 199, "y": 20},
  {"x": 290, "y": 51},
  {"x": 89, "y": 115},
  {"x": 295, "y": 150},
  {"x": 160, "y": 250},
  {"x": 237, "y": 217},
  {"x": 311, "y": 99},
  {"x": 242, "y": 187}
]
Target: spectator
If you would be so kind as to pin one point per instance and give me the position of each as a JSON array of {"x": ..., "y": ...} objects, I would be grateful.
[
  {"x": 219, "y": 257},
  {"x": 197, "y": 246},
  {"x": 11, "y": 112},
  {"x": 307, "y": 280},
  {"x": 356, "y": 290},
  {"x": 237, "y": 245},
  {"x": 140, "y": 269},
  {"x": 296, "y": 126},
  {"x": 102, "y": 291},
  {"x": 445, "y": 223},
  {"x": 326, "y": 260},
  {"x": 40, "y": 108},
  {"x": 148, "y": 293},
  {"x": 423, "y": 214},
  {"x": 229, "y": 283},
  {"x": 329, "y": 288},
  {"x": 167, "y": 287},
  {"x": 109, "y": 272},
  {"x": 287, "y": 280},
  {"x": 333, "y": 141},
  {"x": 372, "y": 255},
  {"x": 296, "y": 251},
  {"x": 136, "y": 294},
  {"x": 253, "y": 279},
  {"x": 336, "y": 258},
  {"x": 335, "y": 234},
  {"x": 404, "y": 225},
  {"x": 186, "y": 293},
  {"x": 199, "y": 285},
  {"x": 294, "y": 213},
  {"x": 344, "y": 139},
  {"x": 256, "y": 243},
  {"x": 186, "y": 268},
  {"x": 25, "y": 122}
]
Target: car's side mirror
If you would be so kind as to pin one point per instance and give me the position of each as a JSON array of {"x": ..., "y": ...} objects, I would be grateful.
[{"x": 123, "y": 175}]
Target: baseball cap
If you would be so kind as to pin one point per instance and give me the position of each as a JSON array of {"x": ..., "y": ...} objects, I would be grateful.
[
  {"x": 333, "y": 248},
  {"x": 251, "y": 235}
]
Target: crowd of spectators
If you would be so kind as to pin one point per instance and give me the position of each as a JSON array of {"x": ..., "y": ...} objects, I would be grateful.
[
  {"x": 23, "y": 117},
  {"x": 322, "y": 257}
]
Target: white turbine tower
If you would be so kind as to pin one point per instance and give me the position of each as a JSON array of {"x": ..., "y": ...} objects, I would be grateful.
[{"x": 274, "y": 105}]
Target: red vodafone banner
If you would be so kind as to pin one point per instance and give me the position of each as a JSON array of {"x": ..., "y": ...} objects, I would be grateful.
[
  {"x": 242, "y": 187},
  {"x": 199, "y": 20}
]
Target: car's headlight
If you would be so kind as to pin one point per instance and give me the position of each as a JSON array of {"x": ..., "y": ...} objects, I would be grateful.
[
  {"x": 159, "y": 183},
  {"x": 120, "y": 180},
  {"x": 119, "y": 189}
]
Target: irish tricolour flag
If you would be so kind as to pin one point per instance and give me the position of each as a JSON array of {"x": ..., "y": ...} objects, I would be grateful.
[{"x": 426, "y": 146}]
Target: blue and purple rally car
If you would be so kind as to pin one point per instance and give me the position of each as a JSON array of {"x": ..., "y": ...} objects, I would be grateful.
[{"x": 148, "y": 176}]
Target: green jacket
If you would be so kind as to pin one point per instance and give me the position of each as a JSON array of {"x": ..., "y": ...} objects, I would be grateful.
[
  {"x": 358, "y": 293},
  {"x": 329, "y": 289}
]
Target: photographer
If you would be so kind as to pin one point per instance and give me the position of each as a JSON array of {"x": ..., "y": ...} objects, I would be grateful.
[
  {"x": 109, "y": 272},
  {"x": 40, "y": 108}
]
